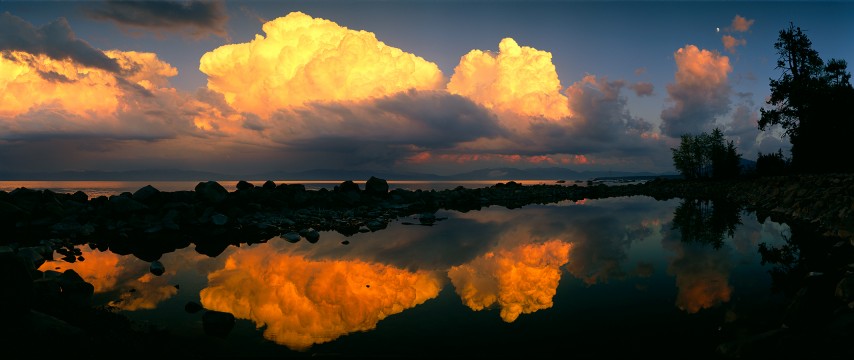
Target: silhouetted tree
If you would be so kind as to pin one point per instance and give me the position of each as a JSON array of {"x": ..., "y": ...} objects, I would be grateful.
[
  {"x": 772, "y": 164},
  {"x": 810, "y": 102},
  {"x": 706, "y": 155}
]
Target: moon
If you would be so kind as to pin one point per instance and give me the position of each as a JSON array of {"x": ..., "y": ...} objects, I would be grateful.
[{"x": 717, "y": 29}]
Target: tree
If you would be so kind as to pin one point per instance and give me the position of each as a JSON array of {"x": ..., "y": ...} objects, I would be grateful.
[
  {"x": 772, "y": 164},
  {"x": 706, "y": 155},
  {"x": 810, "y": 103}
]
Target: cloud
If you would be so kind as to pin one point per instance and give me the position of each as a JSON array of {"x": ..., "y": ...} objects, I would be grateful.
[
  {"x": 699, "y": 94},
  {"x": 55, "y": 40},
  {"x": 304, "y": 60},
  {"x": 521, "y": 280},
  {"x": 741, "y": 24},
  {"x": 300, "y": 302},
  {"x": 518, "y": 79},
  {"x": 702, "y": 273},
  {"x": 642, "y": 88},
  {"x": 731, "y": 42},
  {"x": 202, "y": 17}
]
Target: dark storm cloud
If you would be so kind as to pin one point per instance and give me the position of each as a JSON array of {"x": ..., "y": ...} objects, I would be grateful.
[
  {"x": 55, "y": 40},
  {"x": 386, "y": 129},
  {"x": 201, "y": 16}
]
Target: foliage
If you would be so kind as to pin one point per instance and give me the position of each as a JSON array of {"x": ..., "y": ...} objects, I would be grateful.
[
  {"x": 706, "y": 155},
  {"x": 809, "y": 101},
  {"x": 772, "y": 164}
]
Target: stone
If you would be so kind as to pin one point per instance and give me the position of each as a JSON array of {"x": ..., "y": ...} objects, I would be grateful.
[
  {"x": 75, "y": 290},
  {"x": 377, "y": 187},
  {"x": 269, "y": 185},
  {"x": 219, "y": 219},
  {"x": 217, "y": 323},
  {"x": 349, "y": 186},
  {"x": 243, "y": 185},
  {"x": 156, "y": 268},
  {"x": 193, "y": 307},
  {"x": 125, "y": 205},
  {"x": 211, "y": 192},
  {"x": 845, "y": 289},
  {"x": 310, "y": 234},
  {"x": 146, "y": 193},
  {"x": 291, "y": 237}
]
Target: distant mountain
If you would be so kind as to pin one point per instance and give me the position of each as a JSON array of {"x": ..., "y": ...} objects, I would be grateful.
[
  {"x": 550, "y": 173},
  {"x": 134, "y": 175}
]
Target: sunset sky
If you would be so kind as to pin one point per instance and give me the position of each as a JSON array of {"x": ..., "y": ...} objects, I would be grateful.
[{"x": 244, "y": 87}]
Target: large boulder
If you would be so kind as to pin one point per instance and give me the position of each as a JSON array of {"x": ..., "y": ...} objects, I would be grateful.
[
  {"x": 146, "y": 193},
  {"x": 217, "y": 323},
  {"x": 376, "y": 186},
  {"x": 75, "y": 290},
  {"x": 211, "y": 192}
]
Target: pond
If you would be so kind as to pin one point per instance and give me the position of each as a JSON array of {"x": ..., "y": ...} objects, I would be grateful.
[{"x": 606, "y": 277}]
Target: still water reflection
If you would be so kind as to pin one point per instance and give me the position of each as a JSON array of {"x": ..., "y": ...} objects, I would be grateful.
[{"x": 595, "y": 277}]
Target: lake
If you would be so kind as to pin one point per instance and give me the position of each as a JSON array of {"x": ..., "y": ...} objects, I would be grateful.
[{"x": 593, "y": 278}]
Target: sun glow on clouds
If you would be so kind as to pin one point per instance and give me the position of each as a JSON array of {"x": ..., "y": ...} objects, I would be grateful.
[
  {"x": 301, "y": 302},
  {"x": 304, "y": 59},
  {"x": 519, "y": 280},
  {"x": 518, "y": 79}
]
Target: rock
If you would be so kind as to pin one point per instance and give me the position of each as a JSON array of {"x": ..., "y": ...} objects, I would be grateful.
[
  {"x": 75, "y": 290},
  {"x": 211, "y": 192},
  {"x": 146, "y": 193},
  {"x": 269, "y": 185},
  {"x": 16, "y": 287},
  {"x": 219, "y": 219},
  {"x": 375, "y": 225},
  {"x": 310, "y": 234},
  {"x": 377, "y": 187},
  {"x": 157, "y": 268},
  {"x": 31, "y": 257},
  {"x": 80, "y": 197},
  {"x": 125, "y": 205},
  {"x": 192, "y": 307},
  {"x": 349, "y": 186},
  {"x": 243, "y": 185},
  {"x": 291, "y": 237},
  {"x": 845, "y": 289},
  {"x": 427, "y": 219},
  {"x": 217, "y": 323}
]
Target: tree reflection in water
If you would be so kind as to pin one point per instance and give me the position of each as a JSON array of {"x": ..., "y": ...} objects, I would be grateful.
[{"x": 706, "y": 221}]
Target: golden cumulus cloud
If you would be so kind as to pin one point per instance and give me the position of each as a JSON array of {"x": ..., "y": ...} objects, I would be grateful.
[
  {"x": 304, "y": 59},
  {"x": 30, "y": 82},
  {"x": 518, "y": 79},
  {"x": 301, "y": 302},
  {"x": 519, "y": 280}
]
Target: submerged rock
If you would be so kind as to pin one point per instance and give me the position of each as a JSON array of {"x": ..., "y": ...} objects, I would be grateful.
[
  {"x": 157, "y": 268},
  {"x": 217, "y": 323}
]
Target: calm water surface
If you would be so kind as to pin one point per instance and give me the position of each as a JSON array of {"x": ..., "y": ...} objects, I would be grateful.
[{"x": 595, "y": 278}]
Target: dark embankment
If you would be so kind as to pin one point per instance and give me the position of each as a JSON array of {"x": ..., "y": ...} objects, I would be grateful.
[{"x": 37, "y": 224}]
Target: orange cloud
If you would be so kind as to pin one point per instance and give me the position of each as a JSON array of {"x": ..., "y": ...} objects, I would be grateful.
[
  {"x": 31, "y": 81},
  {"x": 108, "y": 272},
  {"x": 304, "y": 59},
  {"x": 731, "y": 42},
  {"x": 519, "y": 280},
  {"x": 517, "y": 79},
  {"x": 702, "y": 275},
  {"x": 741, "y": 24},
  {"x": 700, "y": 92},
  {"x": 301, "y": 302}
]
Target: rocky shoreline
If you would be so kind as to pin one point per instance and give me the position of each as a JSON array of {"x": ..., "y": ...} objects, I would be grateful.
[{"x": 36, "y": 224}]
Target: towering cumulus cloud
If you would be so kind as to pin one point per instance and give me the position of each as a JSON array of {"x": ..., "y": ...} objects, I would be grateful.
[
  {"x": 520, "y": 280},
  {"x": 302, "y": 302},
  {"x": 519, "y": 79},
  {"x": 304, "y": 59},
  {"x": 699, "y": 94}
]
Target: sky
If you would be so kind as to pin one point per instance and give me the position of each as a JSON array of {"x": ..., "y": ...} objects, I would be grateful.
[{"x": 443, "y": 87}]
